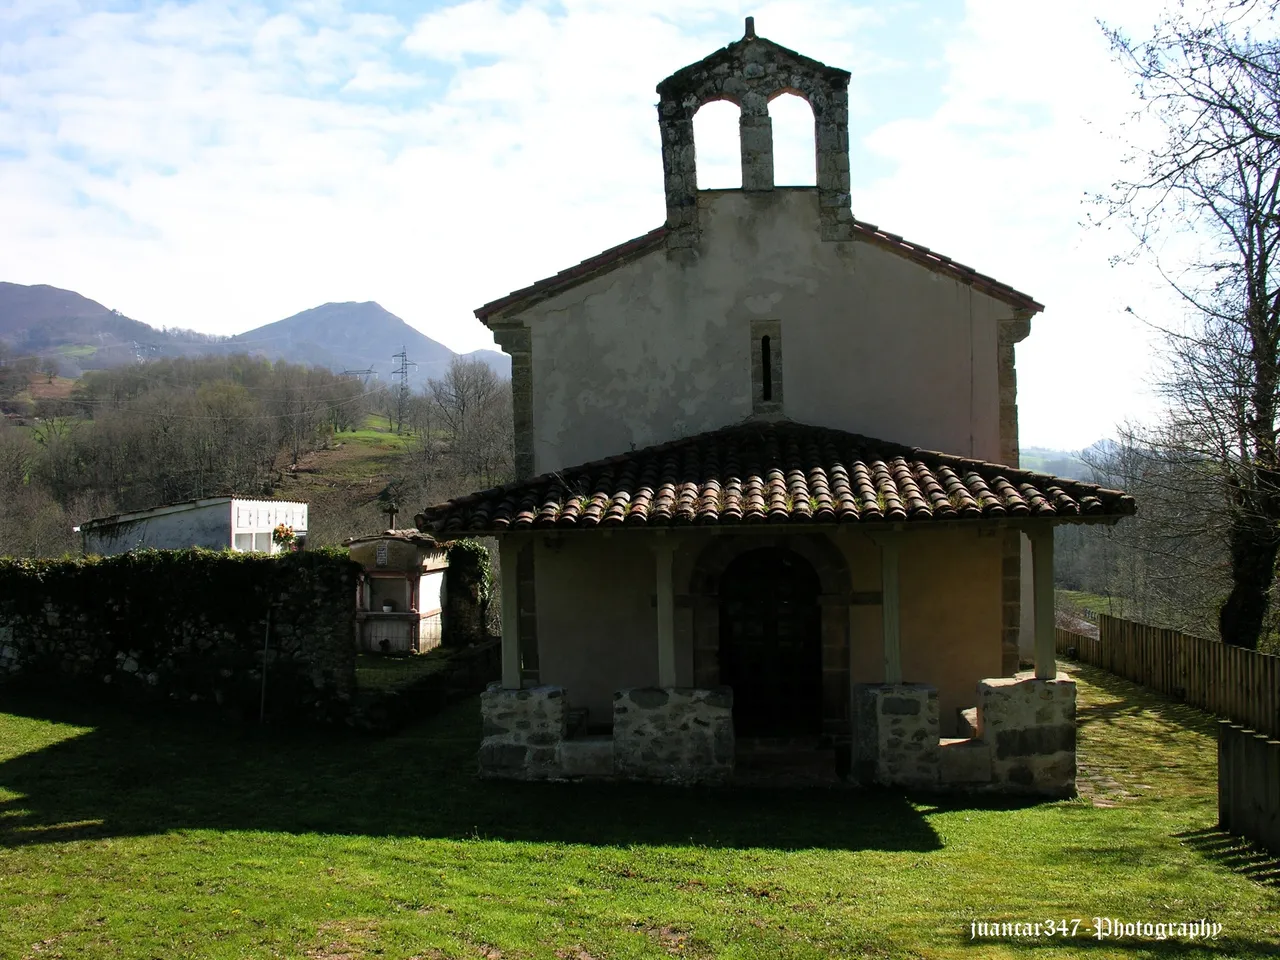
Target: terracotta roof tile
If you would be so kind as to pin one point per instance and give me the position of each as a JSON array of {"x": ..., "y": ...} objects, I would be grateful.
[
  {"x": 638, "y": 246},
  {"x": 773, "y": 473}
]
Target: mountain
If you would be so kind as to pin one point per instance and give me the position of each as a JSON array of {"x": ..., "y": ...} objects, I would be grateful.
[
  {"x": 83, "y": 334},
  {"x": 346, "y": 336}
]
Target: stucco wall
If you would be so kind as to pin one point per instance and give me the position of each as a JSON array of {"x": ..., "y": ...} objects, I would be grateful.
[
  {"x": 950, "y": 593},
  {"x": 202, "y": 526},
  {"x": 597, "y": 621},
  {"x": 949, "y": 612},
  {"x": 659, "y": 349},
  {"x": 429, "y": 591}
]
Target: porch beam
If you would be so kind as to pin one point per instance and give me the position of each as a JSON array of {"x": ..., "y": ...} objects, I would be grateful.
[
  {"x": 1042, "y": 577},
  {"x": 889, "y": 610},
  {"x": 507, "y": 550},
  {"x": 663, "y": 550}
]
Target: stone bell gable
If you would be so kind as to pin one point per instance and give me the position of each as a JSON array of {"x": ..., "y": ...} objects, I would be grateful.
[{"x": 750, "y": 73}]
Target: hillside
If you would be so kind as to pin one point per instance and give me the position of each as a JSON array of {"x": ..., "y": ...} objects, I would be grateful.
[
  {"x": 82, "y": 334},
  {"x": 1060, "y": 463}
]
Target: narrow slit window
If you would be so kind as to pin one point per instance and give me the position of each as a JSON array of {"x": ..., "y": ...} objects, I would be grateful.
[
  {"x": 766, "y": 370},
  {"x": 766, "y": 367}
]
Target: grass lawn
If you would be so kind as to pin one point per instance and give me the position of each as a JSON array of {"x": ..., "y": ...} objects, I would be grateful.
[
  {"x": 376, "y": 673},
  {"x": 123, "y": 836}
]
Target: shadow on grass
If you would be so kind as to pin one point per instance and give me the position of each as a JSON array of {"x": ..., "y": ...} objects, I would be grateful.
[
  {"x": 1134, "y": 700},
  {"x": 135, "y": 774},
  {"x": 1235, "y": 853}
]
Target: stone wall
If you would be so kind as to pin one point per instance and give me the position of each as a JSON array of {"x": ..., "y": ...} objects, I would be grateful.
[
  {"x": 186, "y": 626},
  {"x": 1030, "y": 728},
  {"x": 673, "y": 734},
  {"x": 895, "y": 734},
  {"x": 523, "y": 730},
  {"x": 750, "y": 72}
]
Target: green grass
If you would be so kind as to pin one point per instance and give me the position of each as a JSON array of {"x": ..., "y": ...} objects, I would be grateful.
[
  {"x": 132, "y": 836},
  {"x": 375, "y": 432},
  {"x": 77, "y": 350},
  {"x": 376, "y": 673},
  {"x": 1079, "y": 599}
]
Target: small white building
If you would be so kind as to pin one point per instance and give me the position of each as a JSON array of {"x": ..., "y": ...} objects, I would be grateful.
[{"x": 218, "y": 523}]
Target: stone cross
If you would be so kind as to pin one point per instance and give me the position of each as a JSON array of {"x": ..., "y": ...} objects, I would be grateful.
[{"x": 391, "y": 510}]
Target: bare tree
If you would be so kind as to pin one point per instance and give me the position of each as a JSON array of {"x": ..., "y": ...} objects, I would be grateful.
[
  {"x": 1213, "y": 85},
  {"x": 467, "y": 388}
]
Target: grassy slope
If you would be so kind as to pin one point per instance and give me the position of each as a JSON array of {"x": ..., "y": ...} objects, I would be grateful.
[
  {"x": 343, "y": 482},
  {"x": 128, "y": 837}
]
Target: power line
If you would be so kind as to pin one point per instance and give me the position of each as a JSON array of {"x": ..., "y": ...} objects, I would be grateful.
[
  {"x": 364, "y": 375},
  {"x": 401, "y": 373}
]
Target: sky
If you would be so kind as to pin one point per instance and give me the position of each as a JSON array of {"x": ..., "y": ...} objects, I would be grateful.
[{"x": 220, "y": 164}]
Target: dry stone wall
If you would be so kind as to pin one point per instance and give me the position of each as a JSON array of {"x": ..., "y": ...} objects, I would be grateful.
[
  {"x": 896, "y": 734},
  {"x": 186, "y": 626},
  {"x": 522, "y": 732},
  {"x": 673, "y": 734},
  {"x": 1030, "y": 727}
]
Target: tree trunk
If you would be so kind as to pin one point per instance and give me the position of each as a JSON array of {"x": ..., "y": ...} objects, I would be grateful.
[{"x": 1254, "y": 544}]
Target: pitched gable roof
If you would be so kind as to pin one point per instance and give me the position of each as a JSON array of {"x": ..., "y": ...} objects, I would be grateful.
[{"x": 637, "y": 247}]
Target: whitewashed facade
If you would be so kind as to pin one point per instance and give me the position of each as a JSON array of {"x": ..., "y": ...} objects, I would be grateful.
[{"x": 216, "y": 523}]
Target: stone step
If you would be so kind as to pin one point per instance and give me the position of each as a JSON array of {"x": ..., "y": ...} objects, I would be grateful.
[
  {"x": 586, "y": 757},
  {"x": 969, "y": 722},
  {"x": 964, "y": 760}
]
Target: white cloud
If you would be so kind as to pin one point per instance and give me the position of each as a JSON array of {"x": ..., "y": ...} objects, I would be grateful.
[
  {"x": 218, "y": 164},
  {"x": 372, "y": 77}
]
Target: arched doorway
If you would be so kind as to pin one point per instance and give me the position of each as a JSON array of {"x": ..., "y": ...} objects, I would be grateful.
[{"x": 771, "y": 644}]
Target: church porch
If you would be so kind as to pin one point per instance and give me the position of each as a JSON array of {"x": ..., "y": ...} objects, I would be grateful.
[{"x": 771, "y": 582}]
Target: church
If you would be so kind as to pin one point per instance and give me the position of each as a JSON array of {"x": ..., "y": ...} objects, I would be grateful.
[{"x": 767, "y": 492}]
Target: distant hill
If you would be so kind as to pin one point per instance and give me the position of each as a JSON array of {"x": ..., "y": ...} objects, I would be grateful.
[
  {"x": 346, "y": 336},
  {"x": 83, "y": 334},
  {"x": 1060, "y": 463}
]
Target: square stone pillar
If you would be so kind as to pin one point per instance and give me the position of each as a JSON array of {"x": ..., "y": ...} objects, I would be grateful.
[
  {"x": 508, "y": 550},
  {"x": 1029, "y": 724},
  {"x": 1042, "y": 576},
  {"x": 523, "y": 730},
  {"x": 673, "y": 734},
  {"x": 895, "y": 734}
]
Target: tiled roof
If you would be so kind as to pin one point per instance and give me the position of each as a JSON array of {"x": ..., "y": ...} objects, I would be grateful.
[
  {"x": 783, "y": 473},
  {"x": 623, "y": 252},
  {"x": 411, "y": 535}
]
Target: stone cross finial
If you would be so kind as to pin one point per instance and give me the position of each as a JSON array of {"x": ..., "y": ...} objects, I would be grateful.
[
  {"x": 391, "y": 510},
  {"x": 751, "y": 29}
]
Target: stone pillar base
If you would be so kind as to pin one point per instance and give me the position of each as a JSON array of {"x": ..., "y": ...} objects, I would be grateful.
[
  {"x": 1030, "y": 727},
  {"x": 673, "y": 734},
  {"x": 523, "y": 730},
  {"x": 895, "y": 734}
]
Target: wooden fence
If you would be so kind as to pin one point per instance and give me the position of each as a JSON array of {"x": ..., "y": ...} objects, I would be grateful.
[
  {"x": 1238, "y": 684},
  {"x": 1249, "y": 785}
]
